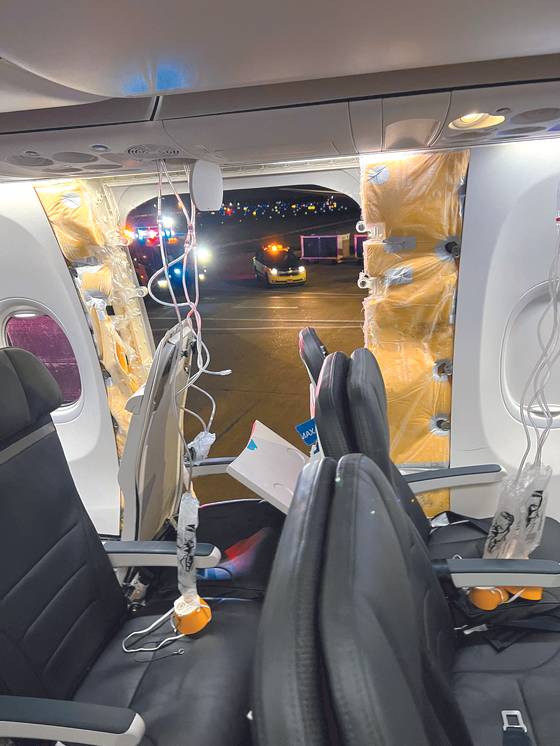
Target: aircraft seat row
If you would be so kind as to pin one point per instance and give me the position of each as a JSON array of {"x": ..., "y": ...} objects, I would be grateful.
[
  {"x": 355, "y": 644},
  {"x": 63, "y": 616},
  {"x": 351, "y": 417},
  {"x": 357, "y": 647}
]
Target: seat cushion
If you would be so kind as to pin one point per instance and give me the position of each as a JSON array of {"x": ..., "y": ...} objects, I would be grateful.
[
  {"x": 467, "y": 540},
  {"x": 200, "y": 697},
  {"x": 463, "y": 539},
  {"x": 524, "y": 677}
]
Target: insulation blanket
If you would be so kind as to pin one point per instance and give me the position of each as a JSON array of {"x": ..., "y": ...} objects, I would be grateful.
[
  {"x": 87, "y": 226},
  {"x": 411, "y": 205}
]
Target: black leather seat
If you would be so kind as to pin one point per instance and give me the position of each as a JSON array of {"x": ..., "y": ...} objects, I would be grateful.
[
  {"x": 288, "y": 702},
  {"x": 312, "y": 352},
  {"x": 62, "y": 613},
  {"x": 351, "y": 416},
  {"x": 394, "y": 670}
]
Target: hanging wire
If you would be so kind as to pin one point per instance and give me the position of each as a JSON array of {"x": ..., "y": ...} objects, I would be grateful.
[{"x": 533, "y": 400}]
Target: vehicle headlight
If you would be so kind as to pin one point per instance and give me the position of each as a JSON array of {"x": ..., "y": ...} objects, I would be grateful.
[
  {"x": 274, "y": 271},
  {"x": 162, "y": 283},
  {"x": 201, "y": 276},
  {"x": 301, "y": 269},
  {"x": 203, "y": 254}
]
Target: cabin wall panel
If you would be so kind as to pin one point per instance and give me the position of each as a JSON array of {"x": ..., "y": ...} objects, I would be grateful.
[
  {"x": 33, "y": 271},
  {"x": 509, "y": 236}
]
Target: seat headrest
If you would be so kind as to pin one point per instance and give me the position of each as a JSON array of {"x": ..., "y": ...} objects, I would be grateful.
[
  {"x": 28, "y": 392},
  {"x": 312, "y": 352}
]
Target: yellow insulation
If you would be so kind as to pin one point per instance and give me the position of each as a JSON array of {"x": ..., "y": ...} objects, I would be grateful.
[
  {"x": 86, "y": 224},
  {"x": 411, "y": 205},
  {"x": 68, "y": 209}
]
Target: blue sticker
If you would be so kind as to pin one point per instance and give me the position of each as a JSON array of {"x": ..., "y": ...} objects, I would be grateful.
[
  {"x": 378, "y": 175},
  {"x": 251, "y": 445},
  {"x": 307, "y": 431}
]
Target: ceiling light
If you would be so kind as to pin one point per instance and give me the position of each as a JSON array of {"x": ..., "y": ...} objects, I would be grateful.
[{"x": 476, "y": 121}]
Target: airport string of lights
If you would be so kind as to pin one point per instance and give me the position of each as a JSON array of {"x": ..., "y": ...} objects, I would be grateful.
[
  {"x": 281, "y": 208},
  {"x": 145, "y": 229}
]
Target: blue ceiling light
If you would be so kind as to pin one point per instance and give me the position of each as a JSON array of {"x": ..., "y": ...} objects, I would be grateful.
[
  {"x": 135, "y": 84},
  {"x": 171, "y": 77}
]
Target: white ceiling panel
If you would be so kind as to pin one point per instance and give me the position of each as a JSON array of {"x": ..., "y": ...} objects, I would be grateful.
[{"x": 141, "y": 48}]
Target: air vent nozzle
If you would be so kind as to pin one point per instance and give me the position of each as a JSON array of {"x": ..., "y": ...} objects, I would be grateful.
[{"x": 153, "y": 152}]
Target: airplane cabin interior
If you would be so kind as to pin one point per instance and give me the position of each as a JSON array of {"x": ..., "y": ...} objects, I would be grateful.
[{"x": 394, "y": 578}]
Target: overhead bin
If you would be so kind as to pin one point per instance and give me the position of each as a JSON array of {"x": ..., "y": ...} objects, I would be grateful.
[
  {"x": 366, "y": 118},
  {"x": 109, "y": 111},
  {"x": 269, "y": 135},
  {"x": 21, "y": 90}
]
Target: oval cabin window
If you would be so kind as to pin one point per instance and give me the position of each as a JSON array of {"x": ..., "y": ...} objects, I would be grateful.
[{"x": 40, "y": 334}]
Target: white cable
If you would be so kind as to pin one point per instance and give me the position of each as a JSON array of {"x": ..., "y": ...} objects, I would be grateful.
[
  {"x": 212, "y": 401},
  {"x": 542, "y": 371},
  {"x": 193, "y": 319},
  {"x": 193, "y": 322},
  {"x": 143, "y": 632},
  {"x": 197, "y": 416}
]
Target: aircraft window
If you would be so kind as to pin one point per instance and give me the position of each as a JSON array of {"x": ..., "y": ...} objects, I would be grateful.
[{"x": 41, "y": 335}]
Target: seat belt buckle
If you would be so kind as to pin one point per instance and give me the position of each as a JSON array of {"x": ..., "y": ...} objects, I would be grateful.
[{"x": 513, "y": 720}]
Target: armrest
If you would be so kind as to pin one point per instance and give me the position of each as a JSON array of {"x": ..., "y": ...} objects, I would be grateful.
[
  {"x": 467, "y": 573},
  {"x": 157, "y": 554},
  {"x": 457, "y": 476},
  {"x": 70, "y": 722},
  {"x": 211, "y": 466}
]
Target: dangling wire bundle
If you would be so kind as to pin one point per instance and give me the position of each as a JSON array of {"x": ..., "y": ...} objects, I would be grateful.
[
  {"x": 190, "y": 613},
  {"x": 193, "y": 320}
]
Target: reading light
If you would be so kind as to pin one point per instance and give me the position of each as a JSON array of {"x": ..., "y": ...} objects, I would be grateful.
[{"x": 476, "y": 121}]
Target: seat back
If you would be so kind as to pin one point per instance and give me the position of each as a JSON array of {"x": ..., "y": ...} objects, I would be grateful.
[
  {"x": 312, "y": 352},
  {"x": 386, "y": 633},
  {"x": 334, "y": 428},
  {"x": 367, "y": 412},
  {"x": 287, "y": 700},
  {"x": 59, "y": 599},
  {"x": 151, "y": 470}
]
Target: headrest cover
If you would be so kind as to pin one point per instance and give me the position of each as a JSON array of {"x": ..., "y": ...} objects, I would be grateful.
[{"x": 28, "y": 392}]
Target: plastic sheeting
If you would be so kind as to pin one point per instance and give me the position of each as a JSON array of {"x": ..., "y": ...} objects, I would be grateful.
[
  {"x": 85, "y": 221},
  {"x": 411, "y": 204}
]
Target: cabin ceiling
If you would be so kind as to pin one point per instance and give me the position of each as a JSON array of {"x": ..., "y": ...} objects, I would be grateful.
[
  {"x": 141, "y": 48},
  {"x": 91, "y": 89}
]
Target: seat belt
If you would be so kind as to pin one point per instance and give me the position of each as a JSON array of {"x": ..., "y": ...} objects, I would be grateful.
[
  {"x": 514, "y": 729},
  {"x": 516, "y": 738}
]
